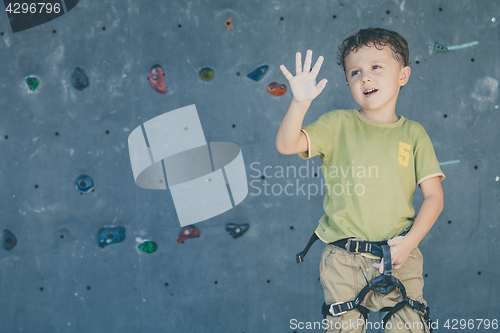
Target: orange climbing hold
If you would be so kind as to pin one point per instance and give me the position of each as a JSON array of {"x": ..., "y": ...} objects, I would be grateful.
[
  {"x": 155, "y": 78},
  {"x": 229, "y": 24},
  {"x": 276, "y": 89}
]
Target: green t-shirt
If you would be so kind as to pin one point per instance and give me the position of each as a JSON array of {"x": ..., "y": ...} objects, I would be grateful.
[{"x": 370, "y": 171}]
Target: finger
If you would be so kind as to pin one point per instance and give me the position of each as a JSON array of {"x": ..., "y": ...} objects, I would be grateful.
[
  {"x": 298, "y": 63},
  {"x": 394, "y": 267},
  {"x": 394, "y": 241},
  {"x": 307, "y": 62},
  {"x": 321, "y": 85},
  {"x": 381, "y": 268},
  {"x": 317, "y": 66},
  {"x": 285, "y": 71}
]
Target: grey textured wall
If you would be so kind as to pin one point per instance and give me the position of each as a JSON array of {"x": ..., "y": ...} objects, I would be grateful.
[{"x": 215, "y": 283}]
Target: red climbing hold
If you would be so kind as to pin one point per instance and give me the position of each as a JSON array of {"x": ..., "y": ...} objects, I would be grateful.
[
  {"x": 187, "y": 232},
  {"x": 155, "y": 78},
  {"x": 276, "y": 89}
]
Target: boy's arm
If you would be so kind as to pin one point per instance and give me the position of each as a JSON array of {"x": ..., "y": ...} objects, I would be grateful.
[
  {"x": 290, "y": 139},
  {"x": 432, "y": 206}
]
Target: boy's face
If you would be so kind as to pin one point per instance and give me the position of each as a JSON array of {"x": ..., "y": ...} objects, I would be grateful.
[{"x": 375, "y": 78}]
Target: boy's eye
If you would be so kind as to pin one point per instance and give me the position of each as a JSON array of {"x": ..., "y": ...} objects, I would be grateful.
[
  {"x": 354, "y": 73},
  {"x": 376, "y": 67}
]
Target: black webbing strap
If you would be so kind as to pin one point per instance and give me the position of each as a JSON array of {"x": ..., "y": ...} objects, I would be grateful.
[
  {"x": 384, "y": 284},
  {"x": 300, "y": 256},
  {"x": 352, "y": 245}
]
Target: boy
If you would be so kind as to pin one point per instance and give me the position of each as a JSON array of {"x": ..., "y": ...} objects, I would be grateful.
[{"x": 371, "y": 160}]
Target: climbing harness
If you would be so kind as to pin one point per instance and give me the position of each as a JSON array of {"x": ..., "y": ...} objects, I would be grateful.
[{"x": 384, "y": 283}]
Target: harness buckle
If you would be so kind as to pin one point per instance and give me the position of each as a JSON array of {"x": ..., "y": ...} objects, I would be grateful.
[
  {"x": 332, "y": 310},
  {"x": 349, "y": 243}
]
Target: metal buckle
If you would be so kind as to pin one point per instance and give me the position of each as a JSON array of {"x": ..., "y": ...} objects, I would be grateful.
[
  {"x": 348, "y": 244},
  {"x": 333, "y": 313}
]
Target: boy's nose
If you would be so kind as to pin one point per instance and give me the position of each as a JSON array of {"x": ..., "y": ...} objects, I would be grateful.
[{"x": 365, "y": 79}]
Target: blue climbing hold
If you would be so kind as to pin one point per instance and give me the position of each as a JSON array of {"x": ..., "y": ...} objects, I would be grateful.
[
  {"x": 439, "y": 48},
  {"x": 110, "y": 235},
  {"x": 258, "y": 74},
  {"x": 9, "y": 240},
  {"x": 237, "y": 230},
  {"x": 79, "y": 80},
  {"x": 84, "y": 184}
]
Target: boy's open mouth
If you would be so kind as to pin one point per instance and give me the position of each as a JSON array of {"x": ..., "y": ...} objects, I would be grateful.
[{"x": 370, "y": 92}]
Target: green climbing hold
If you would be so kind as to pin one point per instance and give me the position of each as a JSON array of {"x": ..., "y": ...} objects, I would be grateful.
[
  {"x": 32, "y": 83},
  {"x": 207, "y": 74},
  {"x": 148, "y": 246}
]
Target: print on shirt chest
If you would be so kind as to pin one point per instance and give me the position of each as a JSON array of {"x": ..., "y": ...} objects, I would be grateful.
[{"x": 404, "y": 154}]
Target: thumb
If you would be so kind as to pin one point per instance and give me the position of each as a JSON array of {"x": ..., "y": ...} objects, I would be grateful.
[
  {"x": 379, "y": 266},
  {"x": 321, "y": 85},
  {"x": 394, "y": 241}
]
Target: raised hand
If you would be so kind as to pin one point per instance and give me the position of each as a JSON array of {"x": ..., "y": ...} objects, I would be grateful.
[{"x": 303, "y": 84}]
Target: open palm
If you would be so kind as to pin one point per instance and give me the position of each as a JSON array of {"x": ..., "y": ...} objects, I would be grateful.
[{"x": 303, "y": 84}]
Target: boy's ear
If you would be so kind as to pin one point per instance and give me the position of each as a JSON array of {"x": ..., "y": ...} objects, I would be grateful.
[
  {"x": 347, "y": 83},
  {"x": 405, "y": 75}
]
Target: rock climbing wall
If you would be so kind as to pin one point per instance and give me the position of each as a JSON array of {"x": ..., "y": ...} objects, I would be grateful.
[{"x": 85, "y": 249}]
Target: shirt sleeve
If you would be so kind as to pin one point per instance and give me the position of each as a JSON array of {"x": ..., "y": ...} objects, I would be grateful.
[
  {"x": 319, "y": 136},
  {"x": 426, "y": 163}
]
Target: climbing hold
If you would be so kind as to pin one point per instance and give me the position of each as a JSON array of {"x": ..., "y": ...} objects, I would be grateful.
[
  {"x": 187, "y": 232},
  {"x": 207, "y": 74},
  {"x": 84, "y": 184},
  {"x": 155, "y": 78},
  {"x": 148, "y": 246},
  {"x": 9, "y": 240},
  {"x": 32, "y": 83},
  {"x": 110, "y": 235},
  {"x": 258, "y": 74},
  {"x": 229, "y": 24},
  {"x": 439, "y": 48},
  {"x": 79, "y": 80},
  {"x": 276, "y": 89},
  {"x": 237, "y": 230}
]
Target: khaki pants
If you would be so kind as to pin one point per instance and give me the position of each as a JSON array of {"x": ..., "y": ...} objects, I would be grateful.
[{"x": 343, "y": 275}]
